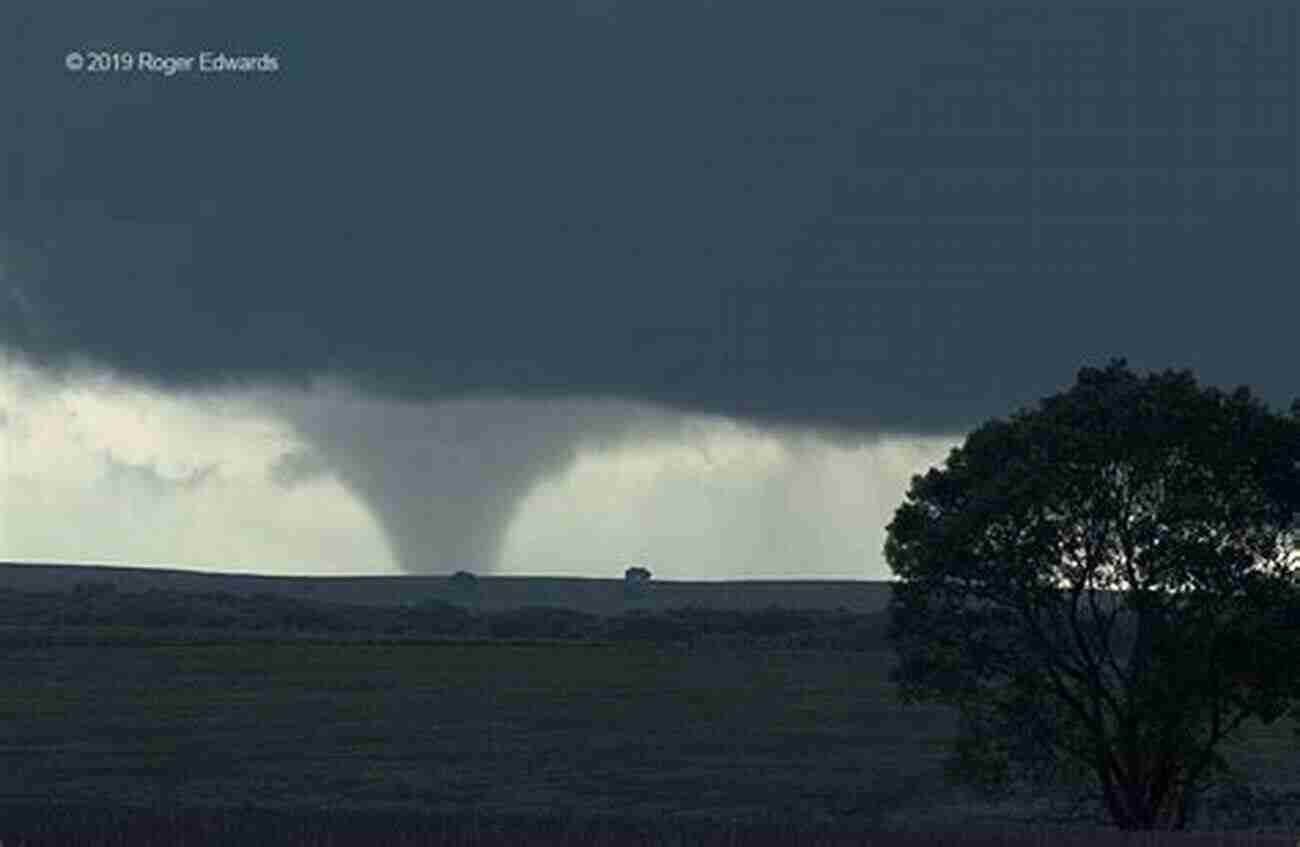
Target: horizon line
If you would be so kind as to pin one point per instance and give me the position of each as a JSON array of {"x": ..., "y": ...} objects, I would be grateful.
[{"x": 617, "y": 578}]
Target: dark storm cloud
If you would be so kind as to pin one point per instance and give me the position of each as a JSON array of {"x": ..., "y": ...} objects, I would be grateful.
[
  {"x": 646, "y": 200},
  {"x": 527, "y": 198}
]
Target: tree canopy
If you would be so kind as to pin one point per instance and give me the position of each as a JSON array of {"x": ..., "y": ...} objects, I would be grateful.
[{"x": 1106, "y": 587}]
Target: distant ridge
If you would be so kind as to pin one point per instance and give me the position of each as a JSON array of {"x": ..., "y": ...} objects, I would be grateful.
[{"x": 497, "y": 593}]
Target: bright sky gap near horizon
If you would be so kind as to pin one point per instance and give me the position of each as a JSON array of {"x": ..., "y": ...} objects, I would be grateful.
[{"x": 557, "y": 288}]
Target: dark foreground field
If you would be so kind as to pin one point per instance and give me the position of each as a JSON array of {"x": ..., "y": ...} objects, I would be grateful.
[{"x": 172, "y": 733}]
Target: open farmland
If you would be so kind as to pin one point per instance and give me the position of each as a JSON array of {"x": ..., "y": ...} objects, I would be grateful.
[{"x": 631, "y": 731}]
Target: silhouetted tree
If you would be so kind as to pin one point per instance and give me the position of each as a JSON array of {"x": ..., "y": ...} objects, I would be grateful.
[
  {"x": 636, "y": 581},
  {"x": 636, "y": 574},
  {"x": 462, "y": 589},
  {"x": 1106, "y": 588}
]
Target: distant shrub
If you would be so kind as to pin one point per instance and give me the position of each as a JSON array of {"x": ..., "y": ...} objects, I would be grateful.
[
  {"x": 432, "y": 604},
  {"x": 543, "y": 622},
  {"x": 94, "y": 588},
  {"x": 438, "y": 617},
  {"x": 774, "y": 621},
  {"x": 265, "y": 611},
  {"x": 636, "y": 585},
  {"x": 309, "y": 618},
  {"x": 867, "y": 630},
  {"x": 153, "y": 615},
  {"x": 703, "y": 619},
  {"x": 463, "y": 589},
  {"x": 640, "y": 625}
]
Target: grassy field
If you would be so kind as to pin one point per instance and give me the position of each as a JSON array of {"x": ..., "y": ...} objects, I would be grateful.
[
  {"x": 573, "y": 730},
  {"x": 494, "y": 727},
  {"x": 165, "y": 715}
]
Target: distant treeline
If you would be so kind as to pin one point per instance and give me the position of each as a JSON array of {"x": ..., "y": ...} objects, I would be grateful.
[{"x": 99, "y": 605}]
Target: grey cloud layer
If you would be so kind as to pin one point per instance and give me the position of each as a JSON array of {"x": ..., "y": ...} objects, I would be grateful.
[
  {"x": 453, "y": 200},
  {"x": 546, "y": 200}
]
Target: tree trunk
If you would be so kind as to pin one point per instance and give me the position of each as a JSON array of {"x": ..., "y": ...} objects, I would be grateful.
[
  {"x": 1145, "y": 795},
  {"x": 1146, "y": 799}
]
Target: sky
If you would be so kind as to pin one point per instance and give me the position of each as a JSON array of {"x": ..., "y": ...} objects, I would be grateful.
[{"x": 561, "y": 287}]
